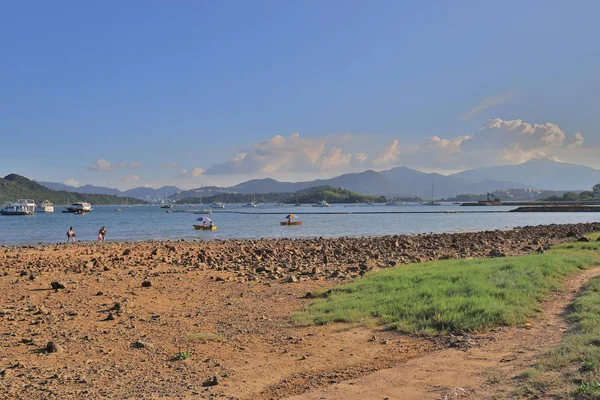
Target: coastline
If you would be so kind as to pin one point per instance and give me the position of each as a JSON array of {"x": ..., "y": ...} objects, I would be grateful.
[
  {"x": 119, "y": 314},
  {"x": 297, "y": 259}
]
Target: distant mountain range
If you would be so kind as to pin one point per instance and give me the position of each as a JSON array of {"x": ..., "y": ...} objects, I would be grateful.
[
  {"x": 142, "y": 193},
  {"x": 541, "y": 174},
  {"x": 395, "y": 182}
]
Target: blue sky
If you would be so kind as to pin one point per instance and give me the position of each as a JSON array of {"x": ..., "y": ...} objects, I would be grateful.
[{"x": 134, "y": 93}]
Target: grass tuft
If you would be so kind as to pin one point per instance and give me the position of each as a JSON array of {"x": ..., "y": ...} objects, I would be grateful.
[
  {"x": 442, "y": 296},
  {"x": 182, "y": 355}
]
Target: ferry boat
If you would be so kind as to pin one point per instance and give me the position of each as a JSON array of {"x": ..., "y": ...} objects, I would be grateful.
[
  {"x": 322, "y": 203},
  {"x": 19, "y": 207},
  {"x": 46, "y": 206},
  {"x": 78, "y": 208}
]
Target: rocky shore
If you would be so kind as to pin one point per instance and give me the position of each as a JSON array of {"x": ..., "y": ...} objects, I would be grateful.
[
  {"x": 208, "y": 319},
  {"x": 287, "y": 259}
]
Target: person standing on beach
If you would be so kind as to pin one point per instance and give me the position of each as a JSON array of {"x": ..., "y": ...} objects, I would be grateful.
[
  {"x": 101, "y": 234},
  {"x": 71, "y": 235}
]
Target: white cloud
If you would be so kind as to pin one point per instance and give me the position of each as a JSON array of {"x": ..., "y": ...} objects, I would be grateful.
[
  {"x": 197, "y": 171},
  {"x": 100, "y": 165},
  {"x": 387, "y": 156},
  {"x": 294, "y": 154},
  {"x": 184, "y": 173},
  {"x": 71, "y": 182},
  {"x": 452, "y": 145},
  {"x": 576, "y": 140},
  {"x": 130, "y": 178},
  {"x": 486, "y": 103},
  {"x": 498, "y": 142},
  {"x": 131, "y": 165}
]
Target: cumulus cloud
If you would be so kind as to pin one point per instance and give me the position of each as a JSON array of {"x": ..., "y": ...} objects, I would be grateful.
[
  {"x": 197, "y": 171},
  {"x": 294, "y": 154},
  {"x": 486, "y": 103},
  {"x": 576, "y": 140},
  {"x": 498, "y": 142},
  {"x": 131, "y": 165},
  {"x": 184, "y": 173},
  {"x": 388, "y": 155},
  {"x": 100, "y": 165},
  {"x": 130, "y": 178},
  {"x": 71, "y": 182}
]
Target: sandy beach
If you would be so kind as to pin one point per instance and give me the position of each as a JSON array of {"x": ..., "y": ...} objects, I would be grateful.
[{"x": 192, "y": 319}]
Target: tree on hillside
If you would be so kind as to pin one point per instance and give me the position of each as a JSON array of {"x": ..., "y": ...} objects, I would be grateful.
[
  {"x": 596, "y": 188},
  {"x": 570, "y": 196}
]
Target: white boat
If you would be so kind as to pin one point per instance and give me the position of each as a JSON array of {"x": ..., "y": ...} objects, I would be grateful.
[
  {"x": 19, "y": 207},
  {"x": 322, "y": 203},
  {"x": 46, "y": 206},
  {"x": 126, "y": 205},
  {"x": 252, "y": 204},
  {"x": 79, "y": 208},
  {"x": 217, "y": 205},
  {"x": 204, "y": 211},
  {"x": 394, "y": 203},
  {"x": 167, "y": 206}
]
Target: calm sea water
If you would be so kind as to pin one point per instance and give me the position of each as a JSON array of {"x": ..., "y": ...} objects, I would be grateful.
[{"x": 153, "y": 222}]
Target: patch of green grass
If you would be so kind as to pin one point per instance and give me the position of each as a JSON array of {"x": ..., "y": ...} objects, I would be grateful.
[
  {"x": 577, "y": 359},
  {"x": 588, "y": 390},
  {"x": 440, "y": 296},
  {"x": 182, "y": 355},
  {"x": 594, "y": 236}
]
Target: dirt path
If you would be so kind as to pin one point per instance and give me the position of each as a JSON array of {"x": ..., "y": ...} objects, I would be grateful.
[{"x": 483, "y": 371}]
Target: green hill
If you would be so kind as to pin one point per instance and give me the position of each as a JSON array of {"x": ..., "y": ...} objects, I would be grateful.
[
  {"x": 14, "y": 187},
  {"x": 310, "y": 195},
  {"x": 333, "y": 195}
]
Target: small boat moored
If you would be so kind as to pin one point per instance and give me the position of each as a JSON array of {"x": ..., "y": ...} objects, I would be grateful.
[
  {"x": 204, "y": 211},
  {"x": 322, "y": 203},
  {"x": 78, "y": 208},
  {"x": 19, "y": 207},
  {"x": 46, "y": 206}
]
